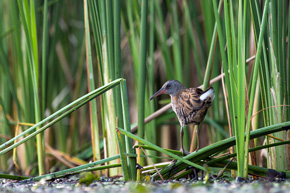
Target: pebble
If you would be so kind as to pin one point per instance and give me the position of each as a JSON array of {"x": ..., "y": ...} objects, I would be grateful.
[{"x": 113, "y": 185}]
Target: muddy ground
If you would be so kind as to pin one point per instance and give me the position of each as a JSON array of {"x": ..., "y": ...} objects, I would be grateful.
[{"x": 105, "y": 185}]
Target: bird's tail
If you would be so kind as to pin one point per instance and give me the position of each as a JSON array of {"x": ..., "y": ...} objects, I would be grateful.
[{"x": 208, "y": 94}]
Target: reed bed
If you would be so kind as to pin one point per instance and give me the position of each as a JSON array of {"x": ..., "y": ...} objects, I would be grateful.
[{"x": 76, "y": 78}]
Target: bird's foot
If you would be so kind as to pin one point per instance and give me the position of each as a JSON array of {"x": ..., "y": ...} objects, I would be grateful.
[
  {"x": 184, "y": 152},
  {"x": 196, "y": 149},
  {"x": 194, "y": 174},
  {"x": 138, "y": 166},
  {"x": 172, "y": 168}
]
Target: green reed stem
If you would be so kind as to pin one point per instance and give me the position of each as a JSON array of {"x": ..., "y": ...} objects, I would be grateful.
[
  {"x": 254, "y": 81},
  {"x": 27, "y": 13},
  {"x": 91, "y": 86},
  {"x": 155, "y": 147},
  {"x": 123, "y": 157},
  {"x": 126, "y": 120},
  {"x": 75, "y": 169},
  {"x": 142, "y": 69},
  {"x": 44, "y": 58},
  {"x": 60, "y": 113}
]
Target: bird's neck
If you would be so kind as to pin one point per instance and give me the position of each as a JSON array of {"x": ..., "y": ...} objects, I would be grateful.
[{"x": 173, "y": 100}]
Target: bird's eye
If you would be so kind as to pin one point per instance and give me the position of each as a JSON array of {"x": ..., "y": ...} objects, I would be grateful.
[{"x": 168, "y": 86}]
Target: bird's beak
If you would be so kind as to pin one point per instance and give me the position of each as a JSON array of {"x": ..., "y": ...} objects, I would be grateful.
[{"x": 161, "y": 91}]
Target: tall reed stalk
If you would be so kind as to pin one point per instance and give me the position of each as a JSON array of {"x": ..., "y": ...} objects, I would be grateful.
[
  {"x": 91, "y": 85},
  {"x": 27, "y": 13},
  {"x": 142, "y": 68}
]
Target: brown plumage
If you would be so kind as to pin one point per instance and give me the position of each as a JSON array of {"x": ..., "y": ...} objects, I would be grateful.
[{"x": 189, "y": 104}]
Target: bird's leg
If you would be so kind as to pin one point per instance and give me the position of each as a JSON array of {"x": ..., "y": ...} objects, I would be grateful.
[
  {"x": 182, "y": 151},
  {"x": 172, "y": 168},
  {"x": 181, "y": 141},
  {"x": 197, "y": 138},
  {"x": 194, "y": 174}
]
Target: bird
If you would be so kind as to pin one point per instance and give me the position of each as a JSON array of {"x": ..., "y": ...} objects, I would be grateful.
[{"x": 189, "y": 104}]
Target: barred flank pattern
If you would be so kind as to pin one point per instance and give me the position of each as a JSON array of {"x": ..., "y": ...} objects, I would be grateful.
[{"x": 188, "y": 106}]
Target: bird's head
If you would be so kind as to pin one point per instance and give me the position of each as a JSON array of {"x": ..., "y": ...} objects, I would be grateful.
[{"x": 171, "y": 87}]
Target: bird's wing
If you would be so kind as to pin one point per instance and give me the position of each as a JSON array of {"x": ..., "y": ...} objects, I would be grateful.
[{"x": 188, "y": 101}]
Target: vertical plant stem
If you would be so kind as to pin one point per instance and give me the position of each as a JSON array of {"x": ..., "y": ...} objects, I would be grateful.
[
  {"x": 126, "y": 120},
  {"x": 5, "y": 129},
  {"x": 197, "y": 58},
  {"x": 142, "y": 68},
  {"x": 109, "y": 116},
  {"x": 117, "y": 91},
  {"x": 254, "y": 80},
  {"x": 29, "y": 22},
  {"x": 44, "y": 46},
  {"x": 275, "y": 55},
  {"x": 39, "y": 138},
  {"x": 25, "y": 107},
  {"x": 151, "y": 127},
  {"x": 209, "y": 63},
  {"x": 186, "y": 50},
  {"x": 264, "y": 77},
  {"x": 201, "y": 44},
  {"x": 288, "y": 69},
  {"x": 230, "y": 80},
  {"x": 212, "y": 70},
  {"x": 91, "y": 87},
  {"x": 176, "y": 45},
  {"x": 132, "y": 37},
  {"x": 209, "y": 19},
  {"x": 233, "y": 78},
  {"x": 117, "y": 56},
  {"x": 162, "y": 40},
  {"x": 110, "y": 38},
  {"x": 241, "y": 81},
  {"x": 122, "y": 150}
]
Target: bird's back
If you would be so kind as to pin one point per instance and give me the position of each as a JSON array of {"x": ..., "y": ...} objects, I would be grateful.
[{"x": 190, "y": 105}]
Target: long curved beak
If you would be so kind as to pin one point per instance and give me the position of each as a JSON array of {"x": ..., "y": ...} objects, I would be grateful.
[{"x": 161, "y": 91}]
